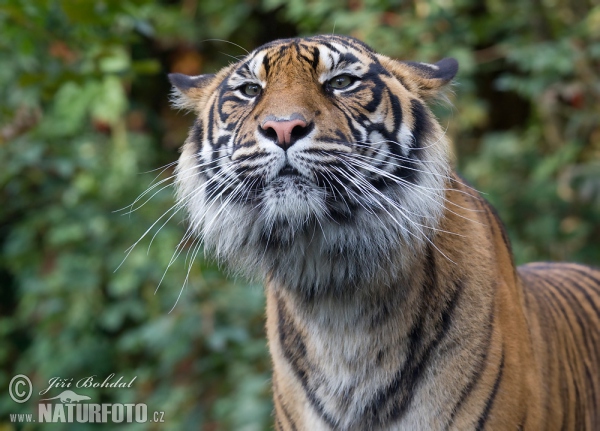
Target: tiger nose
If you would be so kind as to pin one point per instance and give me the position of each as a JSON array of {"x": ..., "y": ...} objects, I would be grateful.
[{"x": 285, "y": 132}]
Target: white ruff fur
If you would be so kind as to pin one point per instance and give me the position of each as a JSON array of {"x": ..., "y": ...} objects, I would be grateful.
[{"x": 314, "y": 251}]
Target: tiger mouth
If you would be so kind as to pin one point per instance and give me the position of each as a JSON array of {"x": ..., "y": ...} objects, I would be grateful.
[{"x": 288, "y": 170}]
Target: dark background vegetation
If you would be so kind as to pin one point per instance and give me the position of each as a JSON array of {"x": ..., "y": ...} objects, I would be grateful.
[{"x": 84, "y": 116}]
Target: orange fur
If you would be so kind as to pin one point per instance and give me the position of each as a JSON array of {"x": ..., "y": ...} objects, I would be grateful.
[{"x": 392, "y": 299}]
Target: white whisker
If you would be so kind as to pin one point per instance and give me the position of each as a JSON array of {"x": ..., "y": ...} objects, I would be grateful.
[
  {"x": 408, "y": 184},
  {"x": 227, "y": 41}
]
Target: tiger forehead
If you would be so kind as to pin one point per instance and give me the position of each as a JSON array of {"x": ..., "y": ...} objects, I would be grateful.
[{"x": 310, "y": 56}]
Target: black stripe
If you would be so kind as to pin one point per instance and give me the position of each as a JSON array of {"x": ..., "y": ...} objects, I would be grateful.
[
  {"x": 563, "y": 373},
  {"x": 592, "y": 352},
  {"x": 315, "y": 60},
  {"x": 422, "y": 124},
  {"x": 373, "y": 104},
  {"x": 294, "y": 351},
  {"x": 490, "y": 401},
  {"x": 396, "y": 111},
  {"x": 408, "y": 171},
  {"x": 214, "y": 189},
  {"x": 197, "y": 136},
  {"x": 399, "y": 78},
  {"x": 283, "y": 49},
  {"x": 306, "y": 58},
  {"x": 547, "y": 310},
  {"x": 478, "y": 373},
  {"x": 348, "y": 59},
  {"x": 503, "y": 233},
  {"x": 356, "y": 135},
  {"x": 418, "y": 367},
  {"x": 571, "y": 267},
  {"x": 585, "y": 292},
  {"x": 396, "y": 396},
  {"x": 590, "y": 325},
  {"x": 213, "y": 165},
  {"x": 331, "y": 48},
  {"x": 571, "y": 350},
  {"x": 595, "y": 286},
  {"x": 232, "y": 97},
  {"x": 222, "y": 141},
  {"x": 211, "y": 122},
  {"x": 593, "y": 335},
  {"x": 266, "y": 65},
  {"x": 285, "y": 412},
  {"x": 548, "y": 321},
  {"x": 251, "y": 157}
]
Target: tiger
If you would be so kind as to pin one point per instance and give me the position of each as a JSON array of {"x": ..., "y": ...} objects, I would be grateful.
[{"x": 392, "y": 301}]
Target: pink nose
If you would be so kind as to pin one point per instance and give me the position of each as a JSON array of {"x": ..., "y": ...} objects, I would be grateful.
[{"x": 286, "y": 135}]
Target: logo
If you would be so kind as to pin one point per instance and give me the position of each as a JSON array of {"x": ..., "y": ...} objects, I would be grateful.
[
  {"x": 68, "y": 397},
  {"x": 15, "y": 388},
  {"x": 70, "y": 407}
]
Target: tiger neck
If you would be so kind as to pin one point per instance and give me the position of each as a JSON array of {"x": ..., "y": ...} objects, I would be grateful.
[
  {"x": 341, "y": 347},
  {"x": 414, "y": 306}
]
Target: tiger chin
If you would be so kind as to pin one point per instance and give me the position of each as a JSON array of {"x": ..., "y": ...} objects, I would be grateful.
[{"x": 392, "y": 299}]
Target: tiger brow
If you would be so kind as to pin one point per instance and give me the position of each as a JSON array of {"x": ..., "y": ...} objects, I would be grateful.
[
  {"x": 346, "y": 59},
  {"x": 306, "y": 52},
  {"x": 244, "y": 70}
]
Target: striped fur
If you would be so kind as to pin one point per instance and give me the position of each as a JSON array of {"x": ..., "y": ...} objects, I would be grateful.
[{"x": 392, "y": 299}]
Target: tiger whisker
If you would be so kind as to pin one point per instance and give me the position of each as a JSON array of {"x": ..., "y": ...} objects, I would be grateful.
[
  {"x": 227, "y": 41},
  {"x": 355, "y": 196},
  {"x": 187, "y": 277},
  {"x": 417, "y": 225},
  {"x": 197, "y": 246},
  {"x": 398, "y": 165},
  {"x": 224, "y": 204},
  {"x": 408, "y": 184},
  {"x": 389, "y": 175},
  {"x": 130, "y": 249},
  {"x": 175, "y": 208},
  {"x": 369, "y": 145},
  {"x": 372, "y": 145},
  {"x": 395, "y": 205},
  {"x": 152, "y": 186},
  {"x": 178, "y": 249}
]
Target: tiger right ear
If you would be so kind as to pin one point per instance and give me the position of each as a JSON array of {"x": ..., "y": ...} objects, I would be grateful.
[
  {"x": 425, "y": 79},
  {"x": 188, "y": 91}
]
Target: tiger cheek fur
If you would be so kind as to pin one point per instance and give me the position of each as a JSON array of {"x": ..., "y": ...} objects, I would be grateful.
[{"x": 392, "y": 298}]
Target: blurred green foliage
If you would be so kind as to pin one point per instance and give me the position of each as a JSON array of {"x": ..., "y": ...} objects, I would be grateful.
[{"x": 84, "y": 118}]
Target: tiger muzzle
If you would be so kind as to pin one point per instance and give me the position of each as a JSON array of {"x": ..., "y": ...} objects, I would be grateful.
[{"x": 285, "y": 132}]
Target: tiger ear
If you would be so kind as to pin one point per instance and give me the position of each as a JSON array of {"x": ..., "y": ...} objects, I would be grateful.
[
  {"x": 424, "y": 78},
  {"x": 189, "y": 91}
]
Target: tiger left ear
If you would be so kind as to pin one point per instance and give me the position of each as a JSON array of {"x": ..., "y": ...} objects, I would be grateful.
[
  {"x": 189, "y": 91},
  {"x": 424, "y": 78}
]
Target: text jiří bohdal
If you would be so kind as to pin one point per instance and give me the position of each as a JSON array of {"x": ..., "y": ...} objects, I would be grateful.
[{"x": 88, "y": 382}]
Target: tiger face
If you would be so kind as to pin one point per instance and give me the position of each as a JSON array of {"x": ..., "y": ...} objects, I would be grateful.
[{"x": 312, "y": 155}]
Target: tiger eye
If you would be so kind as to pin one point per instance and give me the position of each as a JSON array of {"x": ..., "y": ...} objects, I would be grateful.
[
  {"x": 341, "y": 81},
  {"x": 251, "y": 90}
]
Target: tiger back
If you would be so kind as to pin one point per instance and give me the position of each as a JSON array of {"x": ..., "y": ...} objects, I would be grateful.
[{"x": 392, "y": 299}]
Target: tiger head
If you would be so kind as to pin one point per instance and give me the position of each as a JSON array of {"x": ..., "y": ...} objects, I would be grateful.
[{"x": 314, "y": 162}]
